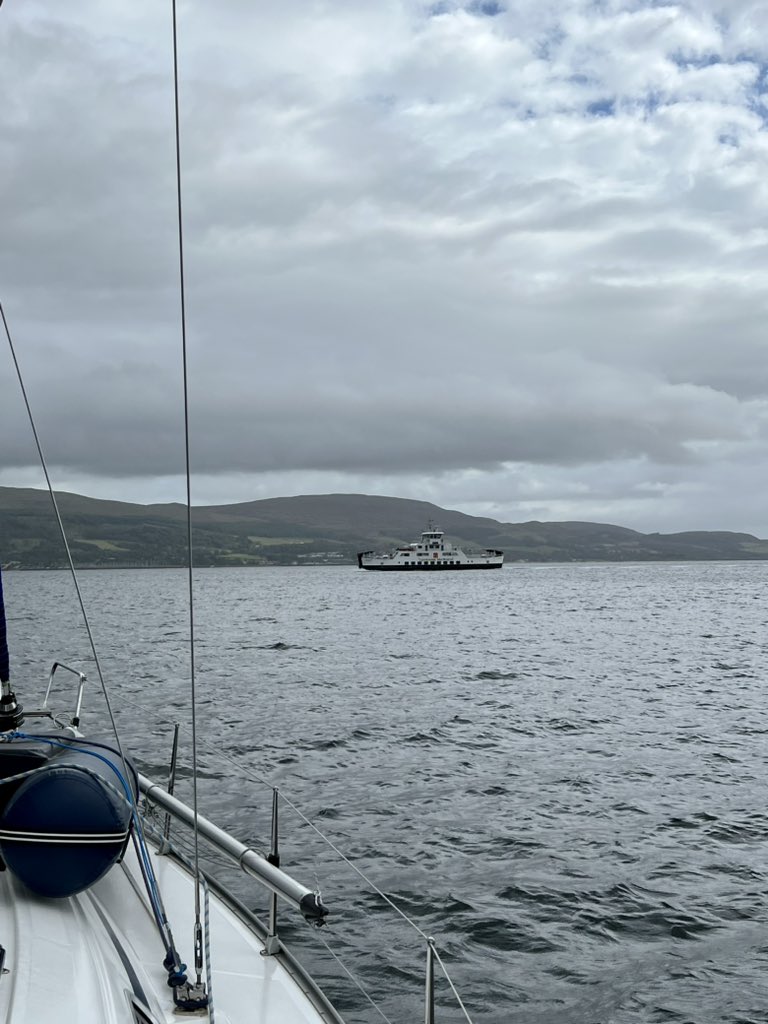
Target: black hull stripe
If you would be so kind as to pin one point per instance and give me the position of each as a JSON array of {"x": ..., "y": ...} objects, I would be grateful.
[
  {"x": 130, "y": 970},
  {"x": 428, "y": 568}
]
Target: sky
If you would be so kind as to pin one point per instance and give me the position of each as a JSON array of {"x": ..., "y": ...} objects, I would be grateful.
[{"x": 509, "y": 258}]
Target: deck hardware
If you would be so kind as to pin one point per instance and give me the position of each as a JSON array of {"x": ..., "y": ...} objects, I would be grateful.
[
  {"x": 272, "y": 944},
  {"x": 249, "y": 861},
  {"x": 79, "y": 703},
  {"x": 429, "y": 1009}
]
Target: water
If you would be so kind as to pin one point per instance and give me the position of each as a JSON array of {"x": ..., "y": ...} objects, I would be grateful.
[{"x": 558, "y": 771}]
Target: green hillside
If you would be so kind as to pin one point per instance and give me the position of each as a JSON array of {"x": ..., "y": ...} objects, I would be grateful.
[{"x": 313, "y": 529}]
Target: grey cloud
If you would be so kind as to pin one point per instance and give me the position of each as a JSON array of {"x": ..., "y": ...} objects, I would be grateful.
[{"x": 411, "y": 253}]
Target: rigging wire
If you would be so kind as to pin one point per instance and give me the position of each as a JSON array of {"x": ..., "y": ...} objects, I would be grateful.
[
  {"x": 188, "y": 477},
  {"x": 448, "y": 979},
  {"x": 354, "y": 980},
  {"x": 262, "y": 780},
  {"x": 161, "y": 917},
  {"x": 63, "y": 534}
]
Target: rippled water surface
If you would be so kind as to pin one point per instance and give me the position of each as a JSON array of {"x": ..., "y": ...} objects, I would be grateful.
[{"x": 558, "y": 771}]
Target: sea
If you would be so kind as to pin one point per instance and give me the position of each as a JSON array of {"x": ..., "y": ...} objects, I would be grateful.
[{"x": 558, "y": 772}]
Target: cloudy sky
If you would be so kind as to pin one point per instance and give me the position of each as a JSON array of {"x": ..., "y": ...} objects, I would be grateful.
[{"x": 508, "y": 257}]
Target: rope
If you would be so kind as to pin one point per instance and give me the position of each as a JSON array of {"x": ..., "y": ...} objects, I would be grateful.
[
  {"x": 169, "y": 844},
  {"x": 207, "y": 948},
  {"x": 74, "y": 838}
]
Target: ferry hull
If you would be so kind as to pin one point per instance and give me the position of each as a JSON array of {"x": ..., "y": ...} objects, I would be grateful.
[{"x": 428, "y": 568}]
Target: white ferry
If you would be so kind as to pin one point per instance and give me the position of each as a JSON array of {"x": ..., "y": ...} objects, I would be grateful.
[{"x": 430, "y": 553}]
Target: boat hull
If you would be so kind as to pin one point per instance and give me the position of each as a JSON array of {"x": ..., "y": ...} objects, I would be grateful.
[{"x": 379, "y": 567}]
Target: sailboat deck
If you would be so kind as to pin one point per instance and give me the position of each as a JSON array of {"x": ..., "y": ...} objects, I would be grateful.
[{"x": 96, "y": 957}]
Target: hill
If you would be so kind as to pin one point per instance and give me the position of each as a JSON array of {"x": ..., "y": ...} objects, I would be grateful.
[{"x": 314, "y": 529}]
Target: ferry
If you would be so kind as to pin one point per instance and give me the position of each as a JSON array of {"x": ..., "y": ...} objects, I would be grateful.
[{"x": 432, "y": 552}]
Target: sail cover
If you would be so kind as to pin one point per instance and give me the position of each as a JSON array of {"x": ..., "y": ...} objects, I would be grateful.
[{"x": 4, "y": 665}]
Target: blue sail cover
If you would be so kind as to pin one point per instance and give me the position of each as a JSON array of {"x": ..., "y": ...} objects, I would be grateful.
[
  {"x": 69, "y": 820},
  {"x": 5, "y": 672}
]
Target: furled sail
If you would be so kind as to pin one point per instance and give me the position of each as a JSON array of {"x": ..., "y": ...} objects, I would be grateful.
[
  {"x": 5, "y": 671},
  {"x": 11, "y": 713}
]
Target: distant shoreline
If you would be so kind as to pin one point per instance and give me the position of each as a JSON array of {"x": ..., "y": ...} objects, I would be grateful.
[
  {"x": 320, "y": 529},
  {"x": 352, "y": 565}
]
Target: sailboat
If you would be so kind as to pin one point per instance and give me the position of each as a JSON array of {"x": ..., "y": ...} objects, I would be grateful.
[{"x": 105, "y": 916}]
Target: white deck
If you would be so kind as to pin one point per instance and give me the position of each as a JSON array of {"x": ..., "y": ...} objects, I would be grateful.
[{"x": 82, "y": 960}]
